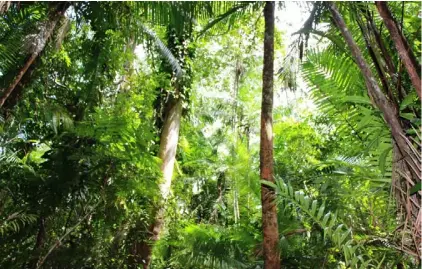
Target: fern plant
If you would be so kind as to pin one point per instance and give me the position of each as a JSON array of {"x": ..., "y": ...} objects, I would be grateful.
[
  {"x": 15, "y": 222},
  {"x": 17, "y": 34},
  {"x": 337, "y": 88},
  {"x": 339, "y": 234}
]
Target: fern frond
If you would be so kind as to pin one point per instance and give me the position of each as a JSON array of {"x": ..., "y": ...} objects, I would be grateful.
[
  {"x": 17, "y": 29},
  {"x": 211, "y": 246},
  {"x": 339, "y": 234},
  {"x": 338, "y": 89},
  {"x": 15, "y": 221}
]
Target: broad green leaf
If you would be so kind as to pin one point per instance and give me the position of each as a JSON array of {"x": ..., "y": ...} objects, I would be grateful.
[
  {"x": 415, "y": 188},
  {"x": 320, "y": 212},
  {"x": 314, "y": 207},
  {"x": 409, "y": 99}
]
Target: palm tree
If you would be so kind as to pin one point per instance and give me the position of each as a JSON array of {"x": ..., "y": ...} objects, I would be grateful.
[
  {"x": 169, "y": 137},
  {"x": 179, "y": 31}
]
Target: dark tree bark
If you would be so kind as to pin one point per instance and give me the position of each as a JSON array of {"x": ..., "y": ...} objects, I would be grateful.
[
  {"x": 39, "y": 243},
  {"x": 377, "y": 65},
  {"x": 404, "y": 50},
  {"x": 44, "y": 34},
  {"x": 269, "y": 209},
  {"x": 391, "y": 69}
]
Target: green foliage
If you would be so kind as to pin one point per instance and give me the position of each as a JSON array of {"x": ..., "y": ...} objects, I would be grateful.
[
  {"x": 14, "y": 222},
  {"x": 340, "y": 235},
  {"x": 79, "y": 140},
  {"x": 17, "y": 34},
  {"x": 210, "y": 246},
  {"x": 338, "y": 90}
]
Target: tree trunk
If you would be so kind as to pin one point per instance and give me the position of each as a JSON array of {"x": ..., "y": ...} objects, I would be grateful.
[
  {"x": 4, "y": 6},
  {"x": 44, "y": 34},
  {"x": 402, "y": 147},
  {"x": 142, "y": 251},
  {"x": 33, "y": 262},
  {"x": 14, "y": 97},
  {"x": 391, "y": 69},
  {"x": 377, "y": 65},
  {"x": 404, "y": 50},
  {"x": 269, "y": 210},
  {"x": 408, "y": 204},
  {"x": 168, "y": 144},
  {"x": 377, "y": 97}
]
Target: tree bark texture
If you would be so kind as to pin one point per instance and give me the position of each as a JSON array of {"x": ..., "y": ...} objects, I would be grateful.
[
  {"x": 142, "y": 251},
  {"x": 377, "y": 96},
  {"x": 41, "y": 40},
  {"x": 269, "y": 209},
  {"x": 409, "y": 205},
  {"x": 410, "y": 159},
  {"x": 404, "y": 50},
  {"x": 4, "y": 6},
  {"x": 377, "y": 65}
]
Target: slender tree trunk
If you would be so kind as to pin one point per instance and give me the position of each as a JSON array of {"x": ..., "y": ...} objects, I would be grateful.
[
  {"x": 269, "y": 209},
  {"x": 33, "y": 262},
  {"x": 168, "y": 145},
  {"x": 14, "y": 97},
  {"x": 391, "y": 69},
  {"x": 405, "y": 51},
  {"x": 221, "y": 187},
  {"x": 402, "y": 147},
  {"x": 235, "y": 127},
  {"x": 377, "y": 65},
  {"x": 44, "y": 34},
  {"x": 377, "y": 96}
]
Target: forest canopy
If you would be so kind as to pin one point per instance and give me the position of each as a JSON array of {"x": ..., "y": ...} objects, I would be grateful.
[{"x": 189, "y": 134}]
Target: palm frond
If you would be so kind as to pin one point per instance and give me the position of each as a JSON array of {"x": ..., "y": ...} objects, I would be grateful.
[
  {"x": 15, "y": 221},
  {"x": 337, "y": 88},
  {"x": 164, "y": 50},
  {"x": 235, "y": 11},
  {"x": 16, "y": 34}
]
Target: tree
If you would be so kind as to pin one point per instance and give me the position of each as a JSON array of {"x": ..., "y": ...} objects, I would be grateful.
[
  {"x": 108, "y": 160},
  {"x": 40, "y": 40},
  {"x": 177, "y": 54},
  {"x": 169, "y": 138},
  {"x": 404, "y": 50},
  {"x": 269, "y": 209},
  {"x": 405, "y": 149}
]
